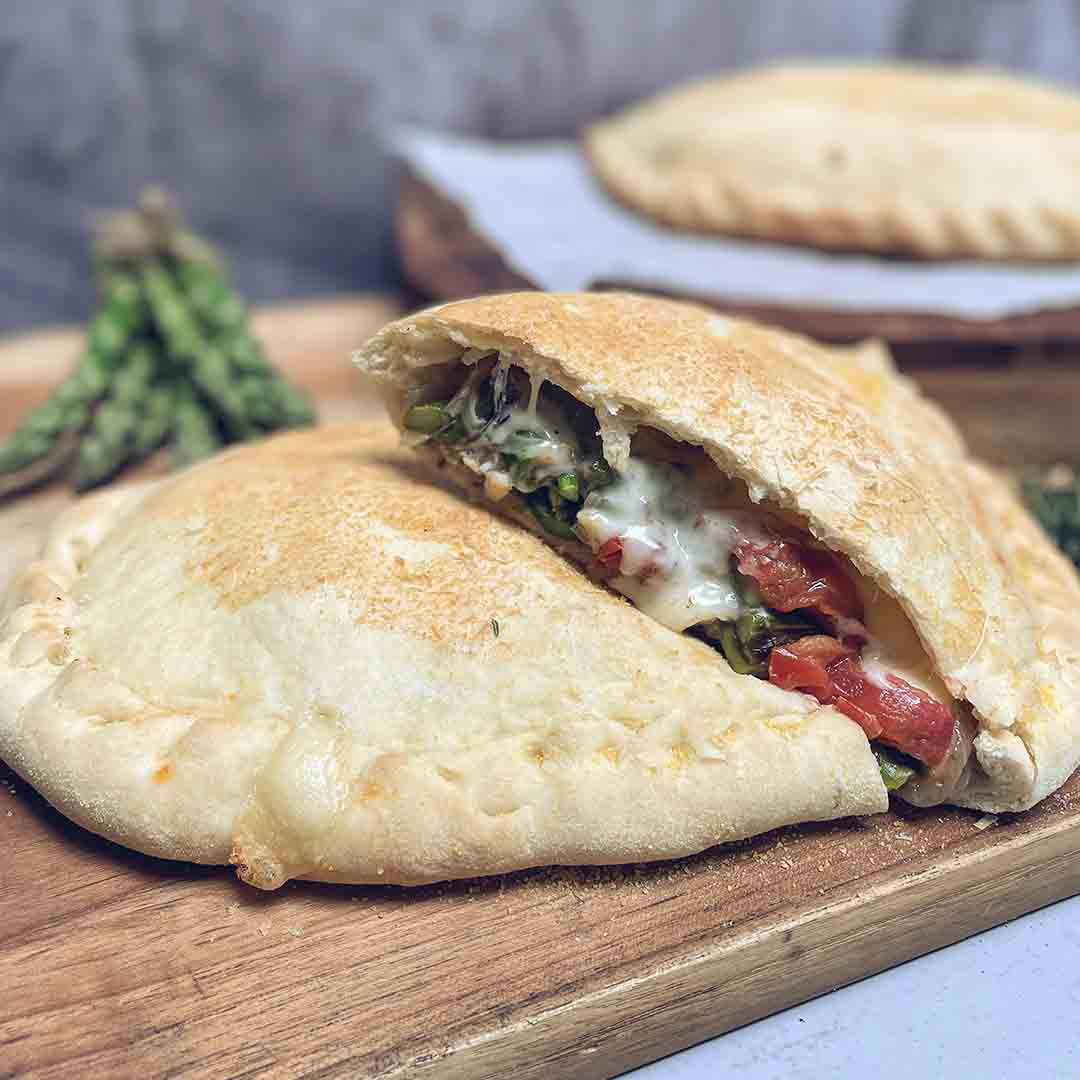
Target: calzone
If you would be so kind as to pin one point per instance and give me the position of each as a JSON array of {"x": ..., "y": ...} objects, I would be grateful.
[
  {"x": 309, "y": 659},
  {"x": 800, "y": 515},
  {"x": 925, "y": 161}
]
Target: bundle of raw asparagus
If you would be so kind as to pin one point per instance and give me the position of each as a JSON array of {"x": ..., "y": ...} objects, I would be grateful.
[{"x": 170, "y": 359}]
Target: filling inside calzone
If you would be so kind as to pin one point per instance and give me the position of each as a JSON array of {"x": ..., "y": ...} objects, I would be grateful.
[{"x": 688, "y": 547}]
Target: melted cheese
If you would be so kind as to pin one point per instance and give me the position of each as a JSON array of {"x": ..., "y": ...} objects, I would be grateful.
[
  {"x": 678, "y": 527},
  {"x": 677, "y": 539},
  {"x": 555, "y": 449},
  {"x": 537, "y": 432},
  {"x": 678, "y": 534},
  {"x": 894, "y": 648}
]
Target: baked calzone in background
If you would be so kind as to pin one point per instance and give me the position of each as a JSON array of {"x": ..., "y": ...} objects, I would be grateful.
[{"x": 923, "y": 161}]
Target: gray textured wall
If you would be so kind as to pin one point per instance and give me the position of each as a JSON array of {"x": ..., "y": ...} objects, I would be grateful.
[{"x": 263, "y": 116}]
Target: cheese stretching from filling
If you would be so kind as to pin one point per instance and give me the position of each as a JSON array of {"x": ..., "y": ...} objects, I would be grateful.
[
  {"x": 677, "y": 538},
  {"x": 535, "y": 432},
  {"x": 686, "y": 546}
]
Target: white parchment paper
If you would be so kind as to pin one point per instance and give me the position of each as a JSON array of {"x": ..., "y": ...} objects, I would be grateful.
[{"x": 542, "y": 209}]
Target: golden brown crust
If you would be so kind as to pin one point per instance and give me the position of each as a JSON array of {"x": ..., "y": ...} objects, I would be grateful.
[
  {"x": 1047, "y": 575},
  {"x": 932, "y": 162},
  {"x": 286, "y": 659},
  {"x": 878, "y": 473}
]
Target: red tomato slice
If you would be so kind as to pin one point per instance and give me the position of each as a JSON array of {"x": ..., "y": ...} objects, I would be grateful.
[
  {"x": 898, "y": 713},
  {"x": 867, "y": 721},
  {"x": 906, "y": 717},
  {"x": 821, "y": 648},
  {"x": 609, "y": 554},
  {"x": 801, "y": 666},
  {"x": 793, "y": 575}
]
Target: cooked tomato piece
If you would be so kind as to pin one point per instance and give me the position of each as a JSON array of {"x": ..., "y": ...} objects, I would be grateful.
[
  {"x": 792, "y": 575},
  {"x": 867, "y": 721},
  {"x": 803, "y": 665},
  {"x": 897, "y": 713},
  {"x": 906, "y": 717},
  {"x": 822, "y": 648},
  {"x": 609, "y": 554}
]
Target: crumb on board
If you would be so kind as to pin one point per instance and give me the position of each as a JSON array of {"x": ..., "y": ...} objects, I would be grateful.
[{"x": 986, "y": 821}]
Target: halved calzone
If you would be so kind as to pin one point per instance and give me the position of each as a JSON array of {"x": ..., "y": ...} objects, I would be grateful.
[
  {"x": 800, "y": 511},
  {"x": 310, "y": 659}
]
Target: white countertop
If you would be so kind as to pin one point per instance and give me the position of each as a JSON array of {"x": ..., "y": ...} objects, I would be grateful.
[{"x": 1005, "y": 1003}]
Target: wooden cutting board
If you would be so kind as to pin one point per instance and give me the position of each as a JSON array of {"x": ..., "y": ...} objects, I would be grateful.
[{"x": 114, "y": 964}]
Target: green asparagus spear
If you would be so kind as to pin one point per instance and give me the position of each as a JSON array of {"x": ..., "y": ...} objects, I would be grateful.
[
  {"x": 294, "y": 406},
  {"x": 42, "y": 468},
  {"x": 133, "y": 380},
  {"x": 244, "y": 352},
  {"x": 194, "y": 435},
  {"x": 225, "y": 317},
  {"x": 108, "y": 446},
  {"x": 759, "y": 630},
  {"x": 155, "y": 421},
  {"x": 152, "y": 404},
  {"x": 427, "y": 419},
  {"x": 210, "y": 296},
  {"x": 91, "y": 463},
  {"x": 735, "y": 655},
  {"x": 40, "y": 432},
  {"x": 27, "y": 445},
  {"x": 894, "y": 768},
  {"x": 158, "y": 217},
  {"x": 119, "y": 317},
  {"x": 546, "y": 515},
  {"x": 568, "y": 486},
  {"x": 169, "y": 356},
  {"x": 132, "y": 421},
  {"x": 207, "y": 365},
  {"x": 259, "y": 402}
]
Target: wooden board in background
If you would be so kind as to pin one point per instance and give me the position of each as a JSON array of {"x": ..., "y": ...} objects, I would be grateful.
[
  {"x": 114, "y": 964},
  {"x": 445, "y": 258}
]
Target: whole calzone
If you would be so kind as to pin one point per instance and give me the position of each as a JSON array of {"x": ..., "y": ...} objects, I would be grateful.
[
  {"x": 309, "y": 659},
  {"x": 800, "y": 514},
  {"x": 926, "y": 161}
]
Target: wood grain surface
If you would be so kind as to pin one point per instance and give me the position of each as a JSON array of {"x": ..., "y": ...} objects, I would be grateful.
[
  {"x": 113, "y": 964},
  {"x": 445, "y": 258}
]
